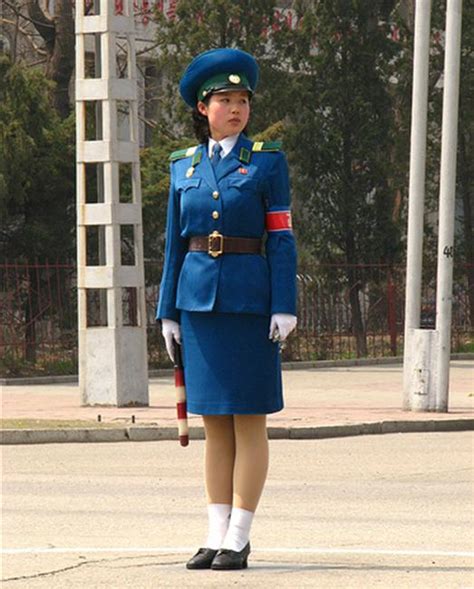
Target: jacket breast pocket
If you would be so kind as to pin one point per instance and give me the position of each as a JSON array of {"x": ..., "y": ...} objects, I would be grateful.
[
  {"x": 191, "y": 204},
  {"x": 243, "y": 183},
  {"x": 187, "y": 184},
  {"x": 244, "y": 200}
]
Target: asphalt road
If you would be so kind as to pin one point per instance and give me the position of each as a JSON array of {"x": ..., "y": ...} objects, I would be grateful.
[{"x": 375, "y": 511}]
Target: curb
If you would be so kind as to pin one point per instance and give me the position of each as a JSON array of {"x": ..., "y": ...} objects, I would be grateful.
[
  {"x": 301, "y": 365},
  {"x": 149, "y": 434}
]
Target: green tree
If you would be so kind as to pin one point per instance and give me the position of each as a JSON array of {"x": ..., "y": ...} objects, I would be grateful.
[
  {"x": 37, "y": 195},
  {"x": 46, "y": 30},
  {"x": 466, "y": 151},
  {"x": 199, "y": 27},
  {"x": 37, "y": 200},
  {"x": 336, "y": 86},
  {"x": 155, "y": 187},
  {"x": 341, "y": 135},
  {"x": 464, "y": 236}
]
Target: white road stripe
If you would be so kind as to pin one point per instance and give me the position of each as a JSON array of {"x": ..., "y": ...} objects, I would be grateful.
[{"x": 184, "y": 549}]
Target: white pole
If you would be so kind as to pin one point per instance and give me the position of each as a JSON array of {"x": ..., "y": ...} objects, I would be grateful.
[
  {"x": 416, "y": 191},
  {"x": 447, "y": 198}
]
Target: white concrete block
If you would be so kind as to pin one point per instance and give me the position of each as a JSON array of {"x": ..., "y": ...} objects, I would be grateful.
[
  {"x": 98, "y": 89},
  {"x": 107, "y": 151},
  {"x": 108, "y": 213},
  {"x": 94, "y": 214},
  {"x": 101, "y": 23},
  {"x": 132, "y": 367},
  {"x": 97, "y": 366},
  {"x": 108, "y": 277},
  {"x": 118, "y": 377},
  {"x": 422, "y": 370}
]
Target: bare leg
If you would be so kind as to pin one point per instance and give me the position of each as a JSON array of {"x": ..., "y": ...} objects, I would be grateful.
[
  {"x": 251, "y": 460},
  {"x": 219, "y": 457}
]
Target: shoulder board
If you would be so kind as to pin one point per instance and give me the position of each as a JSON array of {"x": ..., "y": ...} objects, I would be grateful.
[
  {"x": 182, "y": 153},
  {"x": 266, "y": 146}
]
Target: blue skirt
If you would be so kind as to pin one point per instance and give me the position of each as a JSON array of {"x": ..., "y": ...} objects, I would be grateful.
[{"x": 230, "y": 365}]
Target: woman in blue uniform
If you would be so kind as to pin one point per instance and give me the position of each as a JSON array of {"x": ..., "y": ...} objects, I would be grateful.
[{"x": 228, "y": 291}]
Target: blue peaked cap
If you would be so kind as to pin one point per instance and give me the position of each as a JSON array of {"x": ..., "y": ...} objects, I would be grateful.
[{"x": 210, "y": 64}]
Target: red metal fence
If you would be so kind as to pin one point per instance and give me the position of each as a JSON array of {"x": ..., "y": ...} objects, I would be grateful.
[{"x": 343, "y": 312}]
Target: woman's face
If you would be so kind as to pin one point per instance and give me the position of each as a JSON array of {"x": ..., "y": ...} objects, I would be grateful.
[{"x": 228, "y": 113}]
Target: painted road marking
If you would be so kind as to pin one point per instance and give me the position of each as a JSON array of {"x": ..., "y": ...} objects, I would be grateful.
[{"x": 184, "y": 549}]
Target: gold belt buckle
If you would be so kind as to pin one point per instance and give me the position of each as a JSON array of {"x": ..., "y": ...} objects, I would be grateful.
[{"x": 210, "y": 248}]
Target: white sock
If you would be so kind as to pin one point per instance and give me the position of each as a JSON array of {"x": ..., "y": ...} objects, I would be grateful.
[
  {"x": 219, "y": 515},
  {"x": 239, "y": 529}
]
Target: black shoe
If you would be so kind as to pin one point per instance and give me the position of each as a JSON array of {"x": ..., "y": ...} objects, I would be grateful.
[
  {"x": 202, "y": 559},
  {"x": 227, "y": 560}
]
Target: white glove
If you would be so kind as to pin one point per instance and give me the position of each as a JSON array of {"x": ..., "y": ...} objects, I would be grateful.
[
  {"x": 281, "y": 325},
  {"x": 170, "y": 330}
]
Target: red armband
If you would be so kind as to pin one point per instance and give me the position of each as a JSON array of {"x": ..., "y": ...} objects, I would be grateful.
[{"x": 278, "y": 221}]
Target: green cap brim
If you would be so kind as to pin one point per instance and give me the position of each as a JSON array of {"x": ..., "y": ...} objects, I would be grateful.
[{"x": 224, "y": 83}]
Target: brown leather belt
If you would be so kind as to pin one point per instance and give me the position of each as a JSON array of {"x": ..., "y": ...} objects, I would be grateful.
[{"x": 216, "y": 244}]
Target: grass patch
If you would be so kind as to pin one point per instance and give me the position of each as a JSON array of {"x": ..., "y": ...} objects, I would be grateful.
[
  {"x": 466, "y": 347},
  {"x": 55, "y": 424},
  {"x": 46, "y": 364}
]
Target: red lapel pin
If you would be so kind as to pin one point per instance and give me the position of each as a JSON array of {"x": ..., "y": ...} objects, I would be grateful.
[{"x": 243, "y": 170}]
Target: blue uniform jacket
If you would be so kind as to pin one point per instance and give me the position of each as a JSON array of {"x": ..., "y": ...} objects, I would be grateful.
[{"x": 234, "y": 201}]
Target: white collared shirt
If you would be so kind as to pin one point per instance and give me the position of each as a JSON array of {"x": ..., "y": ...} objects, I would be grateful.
[{"x": 227, "y": 144}]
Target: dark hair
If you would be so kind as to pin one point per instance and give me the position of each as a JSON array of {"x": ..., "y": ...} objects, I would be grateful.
[{"x": 201, "y": 123}]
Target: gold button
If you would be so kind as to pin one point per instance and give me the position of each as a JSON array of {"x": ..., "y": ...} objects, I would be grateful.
[
  {"x": 215, "y": 194},
  {"x": 215, "y": 214}
]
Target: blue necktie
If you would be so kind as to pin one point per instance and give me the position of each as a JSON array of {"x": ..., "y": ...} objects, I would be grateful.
[{"x": 216, "y": 155}]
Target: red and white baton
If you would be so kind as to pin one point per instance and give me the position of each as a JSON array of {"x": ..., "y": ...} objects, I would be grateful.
[{"x": 183, "y": 430}]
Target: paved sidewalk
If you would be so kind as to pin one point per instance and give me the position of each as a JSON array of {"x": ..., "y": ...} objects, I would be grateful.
[{"x": 319, "y": 402}]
